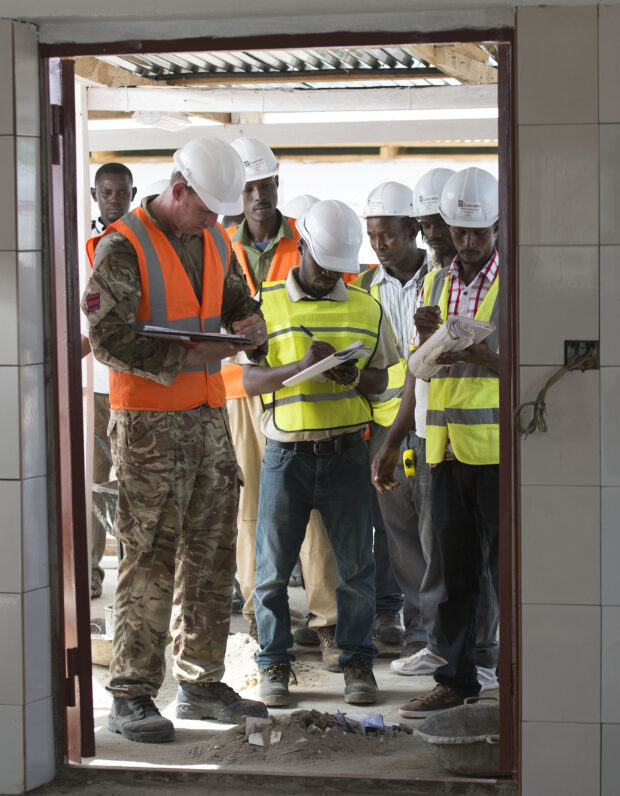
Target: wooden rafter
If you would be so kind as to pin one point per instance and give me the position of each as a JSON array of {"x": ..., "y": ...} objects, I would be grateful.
[
  {"x": 97, "y": 71},
  {"x": 465, "y": 62}
]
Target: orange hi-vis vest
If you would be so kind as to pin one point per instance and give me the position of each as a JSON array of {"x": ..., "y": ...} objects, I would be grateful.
[
  {"x": 285, "y": 257},
  {"x": 168, "y": 299}
]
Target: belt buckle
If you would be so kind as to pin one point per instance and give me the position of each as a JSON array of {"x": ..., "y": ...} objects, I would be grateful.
[{"x": 330, "y": 446}]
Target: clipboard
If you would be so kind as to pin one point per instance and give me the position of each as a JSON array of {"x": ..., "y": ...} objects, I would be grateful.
[
  {"x": 354, "y": 351},
  {"x": 179, "y": 335}
]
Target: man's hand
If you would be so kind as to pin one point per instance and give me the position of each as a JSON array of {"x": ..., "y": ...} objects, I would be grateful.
[
  {"x": 253, "y": 327},
  {"x": 477, "y": 354},
  {"x": 343, "y": 374},
  {"x": 427, "y": 321},
  {"x": 317, "y": 351},
  {"x": 209, "y": 351},
  {"x": 383, "y": 469}
]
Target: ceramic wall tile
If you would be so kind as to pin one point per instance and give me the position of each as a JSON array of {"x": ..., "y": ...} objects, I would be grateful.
[
  {"x": 610, "y": 427},
  {"x": 27, "y": 100},
  {"x": 9, "y": 423},
  {"x": 558, "y": 172},
  {"x": 610, "y": 305},
  {"x": 610, "y": 545},
  {"x": 40, "y": 762},
  {"x": 37, "y": 645},
  {"x": 551, "y": 667},
  {"x": 35, "y": 533},
  {"x": 611, "y": 665},
  {"x": 28, "y": 193},
  {"x": 8, "y": 309},
  {"x": 558, "y": 300},
  {"x": 609, "y": 63},
  {"x": 10, "y": 537},
  {"x": 33, "y": 421},
  {"x": 569, "y": 453},
  {"x": 610, "y": 184},
  {"x": 560, "y": 545},
  {"x": 610, "y": 760},
  {"x": 31, "y": 336},
  {"x": 545, "y": 82},
  {"x": 8, "y": 230},
  {"x": 560, "y": 759},
  {"x": 12, "y": 779},
  {"x": 7, "y": 118},
  {"x": 12, "y": 680}
]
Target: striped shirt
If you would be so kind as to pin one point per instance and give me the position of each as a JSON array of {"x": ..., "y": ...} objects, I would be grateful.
[
  {"x": 399, "y": 302},
  {"x": 464, "y": 299}
]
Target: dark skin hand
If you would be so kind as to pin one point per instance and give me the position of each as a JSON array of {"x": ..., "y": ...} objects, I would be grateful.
[
  {"x": 427, "y": 321},
  {"x": 386, "y": 458},
  {"x": 253, "y": 327}
]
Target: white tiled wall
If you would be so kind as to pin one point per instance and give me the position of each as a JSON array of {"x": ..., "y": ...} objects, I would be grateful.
[
  {"x": 26, "y": 726},
  {"x": 569, "y": 238}
]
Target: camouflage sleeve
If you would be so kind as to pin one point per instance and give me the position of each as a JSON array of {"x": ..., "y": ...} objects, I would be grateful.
[
  {"x": 237, "y": 301},
  {"x": 110, "y": 303}
]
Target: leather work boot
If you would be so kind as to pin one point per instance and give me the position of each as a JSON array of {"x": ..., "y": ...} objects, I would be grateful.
[
  {"x": 306, "y": 635},
  {"x": 139, "y": 720},
  {"x": 389, "y": 628},
  {"x": 215, "y": 701},
  {"x": 360, "y": 686},
  {"x": 274, "y": 685},
  {"x": 329, "y": 651},
  {"x": 440, "y": 698}
]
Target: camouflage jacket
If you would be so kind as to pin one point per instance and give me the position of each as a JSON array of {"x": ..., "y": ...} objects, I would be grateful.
[{"x": 115, "y": 282}]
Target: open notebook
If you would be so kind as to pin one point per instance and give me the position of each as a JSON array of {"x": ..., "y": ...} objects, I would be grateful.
[
  {"x": 356, "y": 350},
  {"x": 455, "y": 334}
]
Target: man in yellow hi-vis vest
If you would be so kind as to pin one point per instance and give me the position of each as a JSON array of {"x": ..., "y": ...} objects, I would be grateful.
[
  {"x": 462, "y": 438},
  {"x": 316, "y": 457}
]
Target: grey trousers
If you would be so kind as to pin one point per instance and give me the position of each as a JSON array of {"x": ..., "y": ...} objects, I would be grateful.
[
  {"x": 400, "y": 518},
  {"x": 432, "y": 590}
]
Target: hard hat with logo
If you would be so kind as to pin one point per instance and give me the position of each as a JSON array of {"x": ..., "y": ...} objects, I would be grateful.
[
  {"x": 333, "y": 234},
  {"x": 295, "y": 208},
  {"x": 427, "y": 191},
  {"x": 470, "y": 199},
  {"x": 258, "y": 160},
  {"x": 389, "y": 199},
  {"x": 214, "y": 170}
]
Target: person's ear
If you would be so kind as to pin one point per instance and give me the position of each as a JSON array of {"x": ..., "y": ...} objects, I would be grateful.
[
  {"x": 93, "y": 193},
  {"x": 133, "y": 193}
]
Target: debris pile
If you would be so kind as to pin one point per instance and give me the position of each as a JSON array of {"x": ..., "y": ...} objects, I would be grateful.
[{"x": 306, "y": 735}]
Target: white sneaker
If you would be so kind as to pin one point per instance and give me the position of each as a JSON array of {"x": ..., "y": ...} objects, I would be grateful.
[
  {"x": 487, "y": 678},
  {"x": 422, "y": 662}
]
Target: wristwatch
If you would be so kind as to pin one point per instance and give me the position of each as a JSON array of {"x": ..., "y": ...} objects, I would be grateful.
[{"x": 353, "y": 384}]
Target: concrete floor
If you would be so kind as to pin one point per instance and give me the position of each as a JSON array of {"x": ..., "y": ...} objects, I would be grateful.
[{"x": 405, "y": 763}]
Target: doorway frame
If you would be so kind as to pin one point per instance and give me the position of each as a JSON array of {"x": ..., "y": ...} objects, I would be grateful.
[{"x": 509, "y": 490}]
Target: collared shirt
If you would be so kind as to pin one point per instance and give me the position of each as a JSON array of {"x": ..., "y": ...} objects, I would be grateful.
[
  {"x": 398, "y": 302},
  {"x": 259, "y": 262},
  {"x": 384, "y": 356},
  {"x": 97, "y": 226},
  {"x": 465, "y": 299}
]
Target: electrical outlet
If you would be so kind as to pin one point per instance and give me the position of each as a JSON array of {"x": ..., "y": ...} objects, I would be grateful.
[{"x": 574, "y": 350}]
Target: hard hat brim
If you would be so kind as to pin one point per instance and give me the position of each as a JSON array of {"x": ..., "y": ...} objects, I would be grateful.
[
  {"x": 467, "y": 223},
  {"x": 264, "y": 176}
]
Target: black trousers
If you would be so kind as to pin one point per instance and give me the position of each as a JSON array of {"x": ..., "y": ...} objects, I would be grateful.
[{"x": 465, "y": 509}]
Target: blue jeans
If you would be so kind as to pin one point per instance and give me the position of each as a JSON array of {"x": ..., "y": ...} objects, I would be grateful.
[{"x": 292, "y": 483}]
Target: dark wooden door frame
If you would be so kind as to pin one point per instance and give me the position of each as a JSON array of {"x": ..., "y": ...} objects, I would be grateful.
[{"x": 509, "y": 563}]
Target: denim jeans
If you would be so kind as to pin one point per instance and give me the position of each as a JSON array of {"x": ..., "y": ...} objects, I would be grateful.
[{"x": 292, "y": 484}]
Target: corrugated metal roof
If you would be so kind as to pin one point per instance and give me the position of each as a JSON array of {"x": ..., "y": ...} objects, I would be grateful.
[{"x": 384, "y": 66}]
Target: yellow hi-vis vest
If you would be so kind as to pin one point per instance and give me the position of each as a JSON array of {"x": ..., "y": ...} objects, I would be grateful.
[
  {"x": 463, "y": 400},
  {"x": 314, "y": 405},
  {"x": 385, "y": 409}
]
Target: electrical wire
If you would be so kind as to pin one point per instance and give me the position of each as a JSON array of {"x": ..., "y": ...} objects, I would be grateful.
[{"x": 537, "y": 421}]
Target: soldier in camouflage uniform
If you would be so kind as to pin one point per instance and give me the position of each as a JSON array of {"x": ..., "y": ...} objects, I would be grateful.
[{"x": 177, "y": 473}]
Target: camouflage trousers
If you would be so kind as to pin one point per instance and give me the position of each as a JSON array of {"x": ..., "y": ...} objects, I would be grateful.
[{"x": 176, "y": 517}]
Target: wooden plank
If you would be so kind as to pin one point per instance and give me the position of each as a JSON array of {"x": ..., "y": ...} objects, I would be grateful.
[
  {"x": 465, "y": 62},
  {"x": 97, "y": 71}
]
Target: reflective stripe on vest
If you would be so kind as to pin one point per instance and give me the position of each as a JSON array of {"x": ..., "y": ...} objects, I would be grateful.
[
  {"x": 463, "y": 401},
  {"x": 285, "y": 257},
  {"x": 168, "y": 299},
  {"x": 314, "y": 405},
  {"x": 384, "y": 409}
]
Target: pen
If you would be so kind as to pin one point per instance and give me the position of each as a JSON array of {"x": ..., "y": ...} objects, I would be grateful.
[{"x": 309, "y": 333}]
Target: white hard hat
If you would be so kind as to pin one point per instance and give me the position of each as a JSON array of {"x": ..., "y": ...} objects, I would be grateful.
[
  {"x": 215, "y": 171},
  {"x": 295, "y": 208},
  {"x": 333, "y": 234},
  {"x": 470, "y": 199},
  {"x": 155, "y": 188},
  {"x": 258, "y": 160},
  {"x": 389, "y": 199},
  {"x": 427, "y": 191}
]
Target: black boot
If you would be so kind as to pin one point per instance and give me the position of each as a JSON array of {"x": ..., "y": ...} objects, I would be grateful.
[
  {"x": 139, "y": 720},
  {"x": 215, "y": 701}
]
